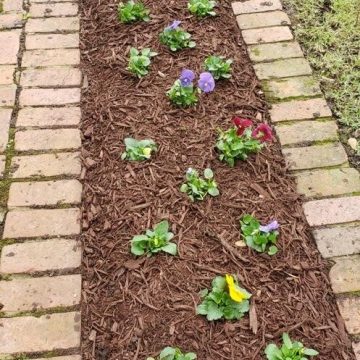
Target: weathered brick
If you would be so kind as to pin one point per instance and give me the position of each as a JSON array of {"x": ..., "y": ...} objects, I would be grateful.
[
  {"x": 345, "y": 274},
  {"x": 53, "y": 9},
  {"x": 306, "y": 132},
  {"x": 328, "y": 243},
  {"x": 5, "y": 117},
  {"x": 55, "y": 77},
  {"x": 332, "y": 211},
  {"x": 46, "y": 165},
  {"x": 254, "y": 6},
  {"x": 10, "y": 21},
  {"x": 45, "y": 255},
  {"x": 49, "y": 117},
  {"x": 51, "y": 41},
  {"x": 316, "y": 156},
  {"x": 53, "y": 332},
  {"x": 274, "y": 51},
  {"x": 12, "y": 5},
  {"x": 41, "y": 222},
  {"x": 329, "y": 182},
  {"x": 7, "y": 95},
  {"x": 6, "y": 74},
  {"x": 267, "y": 35},
  {"x": 8, "y": 53},
  {"x": 258, "y": 20},
  {"x": 300, "y": 110},
  {"x": 356, "y": 348},
  {"x": 50, "y": 25},
  {"x": 40, "y": 293},
  {"x": 349, "y": 308},
  {"x": 2, "y": 165},
  {"x": 45, "y": 97},
  {"x": 44, "y": 193},
  {"x": 51, "y": 57}
]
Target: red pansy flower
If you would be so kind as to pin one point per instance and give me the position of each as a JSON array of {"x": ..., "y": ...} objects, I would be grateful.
[
  {"x": 242, "y": 124},
  {"x": 262, "y": 133}
]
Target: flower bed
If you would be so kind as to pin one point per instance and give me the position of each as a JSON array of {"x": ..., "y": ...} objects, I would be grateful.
[{"x": 136, "y": 305}]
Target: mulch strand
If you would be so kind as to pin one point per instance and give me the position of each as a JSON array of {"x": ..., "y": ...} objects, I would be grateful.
[{"x": 134, "y": 307}]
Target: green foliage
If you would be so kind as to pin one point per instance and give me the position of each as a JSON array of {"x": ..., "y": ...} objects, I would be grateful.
[
  {"x": 139, "y": 61},
  {"x": 197, "y": 187},
  {"x": 218, "y": 67},
  {"x": 154, "y": 241},
  {"x": 202, "y": 8},
  {"x": 138, "y": 150},
  {"x": 132, "y": 11},
  {"x": 289, "y": 350},
  {"x": 170, "y": 353},
  {"x": 176, "y": 39},
  {"x": 182, "y": 96},
  {"x": 218, "y": 304},
  {"x": 233, "y": 147},
  {"x": 256, "y": 239}
]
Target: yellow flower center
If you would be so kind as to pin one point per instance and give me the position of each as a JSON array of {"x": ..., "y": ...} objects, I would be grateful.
[{"x": 235, "y": 293}]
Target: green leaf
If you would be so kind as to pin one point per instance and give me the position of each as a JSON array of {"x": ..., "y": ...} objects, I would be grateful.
[
  {"x": 184, "y": 188},
  {"x": 162, "y": 228},
  {"x": 272, "y": 352},
  {"x": 208, "y": 174},
  {"x": 214, "y": 191},
  {"x": 136, "y": 249},
  {"x": 166, "y": 352},
  {"x": 310, "y": 352},
  {"x": 170, "y": 248},
  {"x": 287, "y": 341},
  {"x": 202, "y": 308},
  {"x": 213, "y": 312},
  {"x": 272, "y": 250}
]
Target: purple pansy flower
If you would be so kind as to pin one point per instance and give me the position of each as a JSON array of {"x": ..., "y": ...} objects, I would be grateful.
[
  {"x": 175, "y": 24},
  {"x": 186, "y": 78},
  {"x": 206, "y": 82},
  {"x": 272, "y": 226}
]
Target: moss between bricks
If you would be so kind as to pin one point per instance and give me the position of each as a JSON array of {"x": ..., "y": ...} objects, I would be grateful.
[{"x": 40, "y": 312}]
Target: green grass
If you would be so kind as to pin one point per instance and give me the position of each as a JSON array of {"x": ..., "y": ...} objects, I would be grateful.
[{"x": 329, "y": 31}]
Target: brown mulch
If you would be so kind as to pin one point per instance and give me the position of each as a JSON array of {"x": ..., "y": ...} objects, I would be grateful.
[{"x": 133, "y": 307}]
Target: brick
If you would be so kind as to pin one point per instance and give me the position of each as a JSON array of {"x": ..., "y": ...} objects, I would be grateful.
[
  {"x": 327, "y": 240},
  {"x": 51, "y": 41},
  {"x": 300, "y": 110},
  {"x": 5, "y": 118},
  {"x": 51, "y": 77},
  {"x": 316, "y": 156},
  {"x": 274, "y": 51},
  {"x": 8, "y": 53},
  {"x": 356, "y": 348},
  {"x": 53, "y": 332},
  {"x": 292, "y": 87},
  {"x": 7, "y": 95},
  {"x": 350, "y": 311},
  {"x": 40, "y": 293},
  {"x": 267, "y": 35},
  {"x": 329, "y": 182},
  {"x": 254, "y": 6},
  {"x": 45, "y": 255},
  {"x": 332, "y": 211},
  {"x": 53, "y": 9},
  {"x": 49, "y": 117},
  {"x": 12, "y": 5},
  {"x": 2, "y": 165},
  {"x": 6, "y": 74},
  {"x": 307, "y": 132},
  {"x": 10, "y": 21},
  {"x": 51, "y": 57},
  {"x": 282, "y": 68},
  {"x": 45, "y": 97},
  {"x": 44, "y": 193},
  {"x": 46, "y": 165},
  {"x": 56, "y": 139},
  {"x": 42, "y": 222},
  {"x": 345, "y": 274},
  {"x": 259, "y": 20},
  {"x": 48, "y": 25}
]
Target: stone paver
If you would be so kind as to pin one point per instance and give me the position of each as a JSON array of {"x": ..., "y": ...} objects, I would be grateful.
[
  {"x": 258, "y": 20},
  {"x": 46, "y": 97},
  {"x": 51, "y": 25},
  {"x": 267, "y": 35},
  {"x": 51, "y": 41},
  {"x": 51, "y": 57},
  {"x": 53, "y": 9},
  {"x": 12, "y": 5},
  {"x": 8, "y": 53},
  {"x": 316, "y": 156},
  {"x": 253, "y": 6},
  {"x": 350, "y": 311},
  {"x": 42, "y": 222},
  {"x": 10, "y": 21},
  {"x": 332, "y": 211},
  {"x": 7, "y": 95},
  {"x": 53, "y": 332},
  {"x": 44, "y": 193},
  {"x": 5, "y": 117},
  {"x": 345, "y": 274},
  {"x": 274, "y": 51},
  {"x": 7, "y": 74},
  {"x": 40, "y": 293},
  {"x": 36, "y": 256},
  {"x": 56, "y": 139},
  {"x": 338, "y": 241},
  {"x": 46, "y": 165}
]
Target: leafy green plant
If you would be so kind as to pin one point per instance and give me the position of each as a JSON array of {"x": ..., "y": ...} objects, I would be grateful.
[
  {"x": 140, "y": 61},
  {"x": 154, "y": 241},
  {"x": 176, "y": 38},
  {"x": 132, "y": 11},
  {"x": 202, "y": 7},
  {"x": 183, "y": 96},
  {"x": 259, "y": 237},
  {"x": 197, "y": 187},
  {"x": 290, "y": 350},
  {"x": 225, "y": 300},
  {"x": 170, "y": 353},
  {"x": 138, "y": 150},
  {"x": 218, "y": 67}
]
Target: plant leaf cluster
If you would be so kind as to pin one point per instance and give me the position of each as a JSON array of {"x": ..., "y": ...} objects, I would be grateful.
[
  {"x": 140, "y": 61},
  {"x": 176, "y": 39},
  {"x": 138, "y": 150},
  {"x": 183, "y": 96},
  {"x": 202, "y": 8},
  {"x": 170, "y": 353},
  {"x": 132, "y": 11},
  {"x": 218, "y": 67}
]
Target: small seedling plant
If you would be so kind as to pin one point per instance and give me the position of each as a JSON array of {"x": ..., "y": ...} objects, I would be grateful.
[
  {"x": 138, "y": 150},
  {"x": 132, "y": 11},
  {"x": 140, "y": 61},
  {"x": 183, "y": 96},
  {"x": 202, "y": 8},
  {"x": 176, "y": 38},
  {"x": 261, "y": 238},
  {"x": 226, "y": 300},
  {"x": 197, "y": 187},
  {"x": 218, "y": 66},
  {"x": 171, "y": 353},
  {"x": 154, "y": 241},
  {"x": 290, "y": 350}
]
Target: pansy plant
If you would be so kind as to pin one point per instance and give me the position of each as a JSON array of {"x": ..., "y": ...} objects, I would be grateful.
[
  {"x": 140, "y": 61},
  {"x": 218, "y": 66},
  {"x": 225, "y": 300},
  {"x": 197, "y": 187},
  {"x": 261, "y": 238},
  {"x": 154, "y": 241},
  {"x": 171, "y": 353},
  {"x": 202, "y": 8},
  {"x": 176, "y": 38},
  {"x": 138, "y": 150},
  {"x": 183, "y": 93},
  {"x": 132, "y": 11}
]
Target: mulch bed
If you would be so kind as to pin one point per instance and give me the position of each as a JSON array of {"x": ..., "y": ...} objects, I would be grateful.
[{"x": 133, "y": 307}]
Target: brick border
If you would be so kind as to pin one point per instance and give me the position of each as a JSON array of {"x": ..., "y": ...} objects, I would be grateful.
[{"x": 311, "y": 147}]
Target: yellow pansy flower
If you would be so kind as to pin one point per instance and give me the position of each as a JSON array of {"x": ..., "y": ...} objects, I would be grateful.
[
  {"x": 147, "y": 151},
  {"x": 234, "y": 291}
]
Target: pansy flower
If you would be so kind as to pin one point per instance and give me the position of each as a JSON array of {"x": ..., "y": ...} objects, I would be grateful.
[
  {"x": 242, "y": 125},
  {"x": 262, "y": 133},
  {"x": 186, "y": 78},
  {"x": 174, "y": 25},
  {"x": 235, "y": 293},
  {"x": 272, "y": 226},
  {"x": 206, "y": 82}
]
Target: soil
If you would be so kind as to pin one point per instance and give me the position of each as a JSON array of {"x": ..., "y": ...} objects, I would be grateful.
[{"x": 133, "y": 307}]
